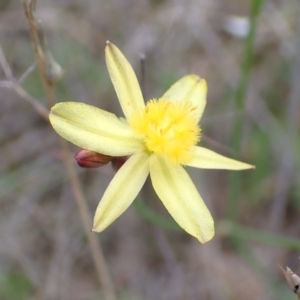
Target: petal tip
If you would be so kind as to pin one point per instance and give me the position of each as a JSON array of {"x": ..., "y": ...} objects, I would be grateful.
[
  {"x": 197, "y": 78},
  {"x": 204, "y": 238},
  {"x": 107, "y": 42},
  {"x": 54, "y": 107},
  {"x": 249, "y": 167},
  {"x": 204, "y": 241},
  {"x": 94, "y": 229}
]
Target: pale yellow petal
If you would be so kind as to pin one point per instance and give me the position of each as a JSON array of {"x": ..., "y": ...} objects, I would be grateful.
[
  {"x": 124, "y": 80},
  {"x": 208, "y": 159},
  {"x": 94, "y": 129},
  {"x": 122, "y": 190},
  {"x": 189, "y": 88},
  {"x": 179, "y": 195}
]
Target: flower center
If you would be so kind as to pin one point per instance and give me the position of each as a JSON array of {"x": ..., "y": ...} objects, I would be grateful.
[{"x": 168, "y": 128}]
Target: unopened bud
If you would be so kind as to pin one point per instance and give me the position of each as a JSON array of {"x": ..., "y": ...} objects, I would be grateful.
[
  {"x": 54, "y": 71},
  {"x": 118, "y": 162},
  {"x": 91, "y": 159}
]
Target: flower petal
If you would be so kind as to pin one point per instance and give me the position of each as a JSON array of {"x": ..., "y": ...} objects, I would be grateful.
[
  {"x": 179, "y": 195},
  {"x": 122, "y": 190},
  {"x": 124, "y": 80},
  {"x": 208, "y": 159},
  {"x": 94, "y": 129},
  {"x": 189, "y": 88}
]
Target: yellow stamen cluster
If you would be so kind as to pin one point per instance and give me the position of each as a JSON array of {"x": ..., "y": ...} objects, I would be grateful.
[{"x": 168, "y": 128}]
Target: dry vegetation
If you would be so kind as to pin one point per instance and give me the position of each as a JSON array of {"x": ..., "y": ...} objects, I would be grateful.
[{"x": 252, "y": 114}]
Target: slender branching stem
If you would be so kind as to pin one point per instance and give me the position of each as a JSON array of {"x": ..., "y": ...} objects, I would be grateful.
[{"x": 96, "y": 250}]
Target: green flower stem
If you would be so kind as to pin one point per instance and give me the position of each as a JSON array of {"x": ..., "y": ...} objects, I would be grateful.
[
  {"x": 158, "y": 220},
  {"x": 246, "y": 234},
  {"x": 223, "y": 228},
  {"x": 240, "y": 94},
  {"x": 240, "y": 237}
]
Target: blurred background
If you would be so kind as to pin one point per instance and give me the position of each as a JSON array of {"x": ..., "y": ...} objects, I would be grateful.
[{"x": 249, "y": 53}]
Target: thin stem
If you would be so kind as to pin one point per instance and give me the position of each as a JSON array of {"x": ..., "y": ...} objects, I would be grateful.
[
  {"x": 13, "y": 84},
  {"x": 96, "y": 250},
  {"x": 240, "y": 95},
  {"x": 247, "y": 234},
  {"x": 154, "y": 218},
  {"x": 143, "y": 74},
  {"x": 224, "y": 228},
  {"x": 287, "y": 161}
]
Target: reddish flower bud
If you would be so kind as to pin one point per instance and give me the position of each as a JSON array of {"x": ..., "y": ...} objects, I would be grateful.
[
  {"x": 118, "y": 162},
  {"x": 91, "y": 159}
]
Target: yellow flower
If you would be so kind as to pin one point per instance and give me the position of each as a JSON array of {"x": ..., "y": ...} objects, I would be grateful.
[{"x": 159, "y": 137}]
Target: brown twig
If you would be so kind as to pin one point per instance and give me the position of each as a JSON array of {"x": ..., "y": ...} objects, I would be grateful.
[
  {"x": 97, "y": 254},
  {"x": 12, "y": 83}
]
